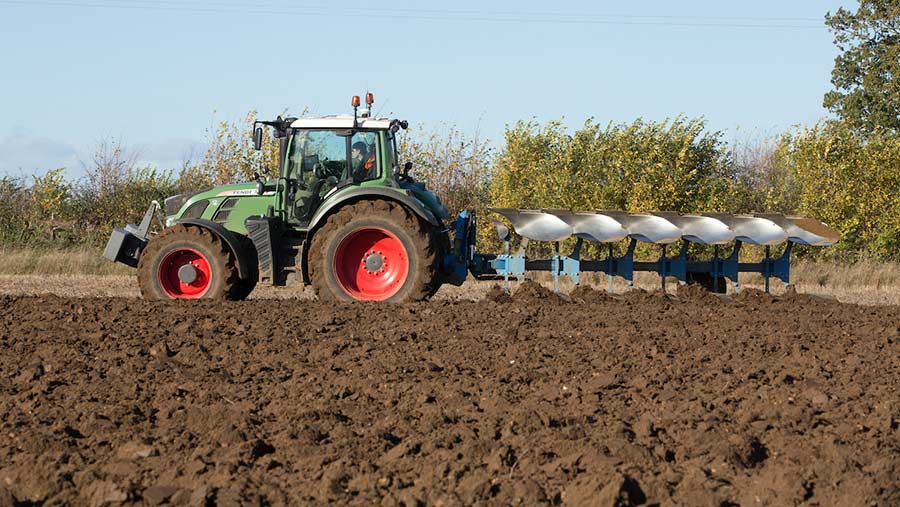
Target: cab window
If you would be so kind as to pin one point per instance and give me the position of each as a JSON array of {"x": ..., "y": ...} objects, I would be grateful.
[{"x": 318, "y": 151}]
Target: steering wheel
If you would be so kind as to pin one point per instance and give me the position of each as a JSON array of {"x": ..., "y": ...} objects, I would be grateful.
[
  {"x": 320, "y": 170},
  {"x": 323, "y": 171}
]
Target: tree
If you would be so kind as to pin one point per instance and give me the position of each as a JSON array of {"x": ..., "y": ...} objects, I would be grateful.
[
  {"x": 231, "y": 157},
  {"x": 866, "y": 74}
]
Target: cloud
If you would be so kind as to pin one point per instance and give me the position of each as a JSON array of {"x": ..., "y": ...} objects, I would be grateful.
[
  {"x": 169, "y": 154},
  {"x": 24, "y": 154}
]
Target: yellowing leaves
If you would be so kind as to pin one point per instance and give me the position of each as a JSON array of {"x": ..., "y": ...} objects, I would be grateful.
[
  {"x": 231, "y": 157},
  {"x": 852, "y": 182},
  {"x": 642, "y": 165}
]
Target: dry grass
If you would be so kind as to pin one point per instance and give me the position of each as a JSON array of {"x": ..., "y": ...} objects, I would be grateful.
[
  {"x": 109, "y": 286},
  {"x": 69, "y": 285},
  {"x": 84, "y": 273},
  {"x": 81, "y": 261},
  {"x": 865, "y": 274}
]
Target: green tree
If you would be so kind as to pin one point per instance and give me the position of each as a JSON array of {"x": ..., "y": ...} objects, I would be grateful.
[
  {"x": 671, "y": 165},
  {"x": 866, "y": 74},
  {"x": 850, "y": 181}
]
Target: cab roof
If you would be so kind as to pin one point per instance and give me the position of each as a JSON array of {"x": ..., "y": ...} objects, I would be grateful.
[{"x": 340, "y": 122}]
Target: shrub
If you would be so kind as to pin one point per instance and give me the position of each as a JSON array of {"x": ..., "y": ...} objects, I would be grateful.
[
  {"x": 671, "y": 165},
  {"x": 850, "y": 181},
  {"x": 15, "y": 209}
]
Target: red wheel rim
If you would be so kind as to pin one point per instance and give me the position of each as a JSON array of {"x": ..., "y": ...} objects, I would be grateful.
[
  {"x": 173, "y": 285},
  {"x": 371, "y": 264}
]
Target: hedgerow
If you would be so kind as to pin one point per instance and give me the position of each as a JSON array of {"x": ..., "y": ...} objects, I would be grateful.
[{"x": 827, "y": 171}]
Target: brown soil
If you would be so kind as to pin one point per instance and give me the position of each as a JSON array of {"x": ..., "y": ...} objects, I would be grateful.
[
  {"x": 634, "y": 399},
  {"x": 585, "y": 294}
]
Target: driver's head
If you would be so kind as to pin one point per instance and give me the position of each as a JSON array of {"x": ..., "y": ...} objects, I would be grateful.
[{"x": 359, "y": 149}]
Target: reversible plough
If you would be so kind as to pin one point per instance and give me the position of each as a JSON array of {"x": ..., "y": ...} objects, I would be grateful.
[{"x": 657, "y": 228}]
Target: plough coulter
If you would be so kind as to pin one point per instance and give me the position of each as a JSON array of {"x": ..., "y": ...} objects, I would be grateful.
[{"x": 345, "y": 216}]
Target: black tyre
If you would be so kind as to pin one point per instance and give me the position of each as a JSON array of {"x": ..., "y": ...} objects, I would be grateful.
[
  {"x": 374, "y": 251},
  {"x": 244, "y": 287},
  {"x": 189, "y": 262}
]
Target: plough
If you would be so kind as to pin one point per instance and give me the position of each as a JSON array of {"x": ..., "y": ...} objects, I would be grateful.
[{"x": 657, "y": 228}]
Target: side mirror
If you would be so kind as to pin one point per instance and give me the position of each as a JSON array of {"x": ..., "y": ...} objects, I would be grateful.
[
  {"x": 257, "y": 138},
  {"x": 396, "y": 125}
]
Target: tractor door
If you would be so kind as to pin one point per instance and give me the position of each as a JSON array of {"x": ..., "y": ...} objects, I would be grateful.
[{"x": 317, "y": 162}]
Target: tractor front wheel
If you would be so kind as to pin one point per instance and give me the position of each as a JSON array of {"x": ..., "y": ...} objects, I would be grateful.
[
  {"x": 374, "y": 251},
  {"x": 188, "y": 262}
]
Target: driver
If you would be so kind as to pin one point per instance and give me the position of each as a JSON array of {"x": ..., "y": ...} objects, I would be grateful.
[{"x": 363, "y": 161}]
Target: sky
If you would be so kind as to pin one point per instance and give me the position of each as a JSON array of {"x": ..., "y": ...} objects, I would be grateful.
[{"x": 157, "y": 74}]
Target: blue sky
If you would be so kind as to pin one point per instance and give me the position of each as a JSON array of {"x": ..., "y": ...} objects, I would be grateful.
[{"x": 157, "y": 73}]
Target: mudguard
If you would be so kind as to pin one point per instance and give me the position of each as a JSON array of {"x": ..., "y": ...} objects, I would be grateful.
[
  {"x": 363, "y": 192},
  {"x": 227, "y": 236}
]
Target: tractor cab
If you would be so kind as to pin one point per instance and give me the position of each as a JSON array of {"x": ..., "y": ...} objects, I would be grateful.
[
  {"x": 323, "y": 159},
  {"x": 325, "y": 155}
]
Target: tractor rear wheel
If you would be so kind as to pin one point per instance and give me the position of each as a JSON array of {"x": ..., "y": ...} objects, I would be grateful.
[
  {"x": 189, "y": 262},
  {"x": 374, "y": 251}
]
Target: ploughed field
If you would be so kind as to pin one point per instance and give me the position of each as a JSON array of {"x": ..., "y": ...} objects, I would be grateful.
[{"x": 596, "y": 400}]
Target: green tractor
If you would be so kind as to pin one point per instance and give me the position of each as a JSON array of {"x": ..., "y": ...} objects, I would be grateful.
[{"x": 342, "y": 216}]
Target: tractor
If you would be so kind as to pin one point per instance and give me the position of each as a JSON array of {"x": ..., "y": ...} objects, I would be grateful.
[
  {"x": 345, "y": 216},
  {"x": 342, "y": 215}
]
